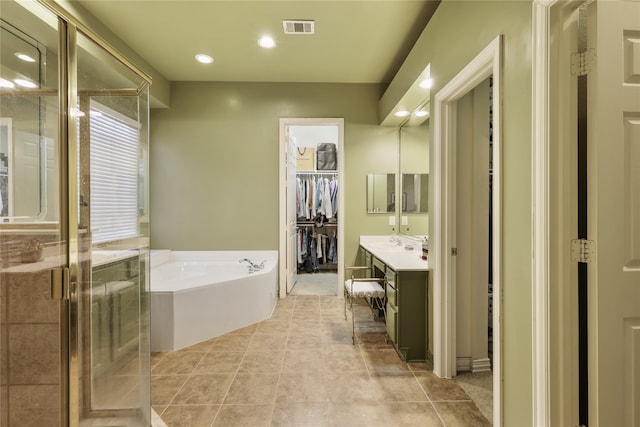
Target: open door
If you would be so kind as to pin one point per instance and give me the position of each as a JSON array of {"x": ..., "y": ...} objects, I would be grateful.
[
  {"x": 614, "y": 213},
  {"x": 291, "y": 229}
]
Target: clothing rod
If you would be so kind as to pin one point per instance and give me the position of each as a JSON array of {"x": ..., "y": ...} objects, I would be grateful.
[
  {"x": 326, "y": 224},
  {"x": 317, "y": 173}
]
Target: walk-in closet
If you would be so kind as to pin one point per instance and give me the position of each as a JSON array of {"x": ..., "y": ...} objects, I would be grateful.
[{"x": 317, "y": 208}]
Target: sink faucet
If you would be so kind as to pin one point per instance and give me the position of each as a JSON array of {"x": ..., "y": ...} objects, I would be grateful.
[
  {"x": 395, "y": 238},
  {"x": 253, "y": 266}
]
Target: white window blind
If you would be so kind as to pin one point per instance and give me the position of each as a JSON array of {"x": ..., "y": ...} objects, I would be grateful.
[{"x": 114, "y": 175}]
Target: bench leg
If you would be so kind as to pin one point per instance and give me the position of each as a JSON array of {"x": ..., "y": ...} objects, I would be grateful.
[{"x": 353, "y": 324}]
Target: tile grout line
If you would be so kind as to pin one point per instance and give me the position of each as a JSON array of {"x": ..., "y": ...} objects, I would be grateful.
[
  {"x": 183, "y": 384},
  {"x": 284, "y": 352},
  {"x": 444, "y": 424},
  {"x": 235, "y": 374},
  {"x": 421, "y": 387}
]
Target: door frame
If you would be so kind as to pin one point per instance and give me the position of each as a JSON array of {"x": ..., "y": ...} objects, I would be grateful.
[
  {"x": 487, "y": 63},
  {"x": 553, "y": 168},
  {"x": 282, "y": 252}
]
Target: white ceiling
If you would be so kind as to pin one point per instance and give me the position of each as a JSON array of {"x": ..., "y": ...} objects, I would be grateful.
[{"x": 358, "y": 41}]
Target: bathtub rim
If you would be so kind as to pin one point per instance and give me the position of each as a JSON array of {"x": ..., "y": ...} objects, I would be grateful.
[{"x": 164, "y": 257}]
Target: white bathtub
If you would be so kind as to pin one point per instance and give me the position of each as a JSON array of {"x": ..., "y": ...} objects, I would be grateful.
[{"x": 196, "y": 296}]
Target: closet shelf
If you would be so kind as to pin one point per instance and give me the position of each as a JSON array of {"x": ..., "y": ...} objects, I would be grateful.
[{"x": 316, "y": 172}]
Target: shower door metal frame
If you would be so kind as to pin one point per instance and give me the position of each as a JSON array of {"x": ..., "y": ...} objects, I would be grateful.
[{"x": 68, "y": 28}]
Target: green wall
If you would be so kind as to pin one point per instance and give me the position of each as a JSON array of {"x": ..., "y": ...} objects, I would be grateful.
[
  {"x": 458, "y": 31},
  {"x": 214, "y": 161}
]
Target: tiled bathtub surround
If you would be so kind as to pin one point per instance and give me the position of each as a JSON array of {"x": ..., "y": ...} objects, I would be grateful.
[{"x": 300, "y": 368}]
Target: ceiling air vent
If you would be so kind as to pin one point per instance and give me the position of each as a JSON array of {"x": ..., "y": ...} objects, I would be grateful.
[{"x": 297, "y": 26}]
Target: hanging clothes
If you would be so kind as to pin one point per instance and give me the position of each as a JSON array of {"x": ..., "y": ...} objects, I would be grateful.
[
  {"x": 319, "y": 197},
  {"x": 326, "y": 199},
  {"x": 333, "y": 189},
  {"x": 309, "y": 199},
  {"x": 311, "y": 205},
  {"x": 298, "y": 196},
  {"x": 299, "y": 247},
  {"x": 316, "y": 201},
  {"x": 319, "y": 250},
  {"x": 335, "y": 250}
]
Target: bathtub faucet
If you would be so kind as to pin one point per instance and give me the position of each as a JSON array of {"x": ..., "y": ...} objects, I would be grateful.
[{"x": 253, "y": 266}]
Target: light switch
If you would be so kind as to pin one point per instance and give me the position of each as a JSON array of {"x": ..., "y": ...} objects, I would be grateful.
[{"x": 392, "y": 220}]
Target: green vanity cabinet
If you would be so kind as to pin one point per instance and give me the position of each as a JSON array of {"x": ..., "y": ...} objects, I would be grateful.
[
  {"x": 407, "y": 313},
  {"x": 365, "y": 258},
  {"x": 406, "y": 306}
]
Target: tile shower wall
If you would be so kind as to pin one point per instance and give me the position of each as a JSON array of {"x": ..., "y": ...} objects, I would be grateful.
[{"x": 30, "y": 337}]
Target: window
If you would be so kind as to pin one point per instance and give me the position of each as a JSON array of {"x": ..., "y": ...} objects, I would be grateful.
[{"x": 114, "y": 174}]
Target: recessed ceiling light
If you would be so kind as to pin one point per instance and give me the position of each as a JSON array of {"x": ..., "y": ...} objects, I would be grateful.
[
  {"x": 421, "y": 113},
  {"x": 205, "y": 59},
  {"x": 401, "y": 113},
  {"x": 267, "y": 42},
  {"x": 24, "y": 57},
  {"x": 426, "y": 83},
  {"x": 6, "y": 83},
  {"x": 25, "y": 83}
]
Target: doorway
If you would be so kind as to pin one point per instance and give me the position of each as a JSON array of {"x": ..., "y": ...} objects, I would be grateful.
[
  {"x": 448, "y": 114},
  {"x": 311, "y": 195},
  {"x": 473, "y": 284}
]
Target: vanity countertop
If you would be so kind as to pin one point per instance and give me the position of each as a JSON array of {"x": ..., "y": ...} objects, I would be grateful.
[{"x": 394, "y": 255}]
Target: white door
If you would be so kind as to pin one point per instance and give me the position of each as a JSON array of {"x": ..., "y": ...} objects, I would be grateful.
[
  {"x": 614, "y": 213},
  {"x": 292, "y": 232}
]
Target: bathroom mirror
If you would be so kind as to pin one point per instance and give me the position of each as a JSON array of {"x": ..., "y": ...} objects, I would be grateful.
[
  {"x": 414, "y": 172},
  {"x": 25, "y": 138},
  {"x": 381, "y": 195},
  {"x": 415, "y": 189}
]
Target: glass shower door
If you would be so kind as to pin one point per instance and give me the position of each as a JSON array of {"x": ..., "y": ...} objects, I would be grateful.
[{"x": 110, "y": 346}]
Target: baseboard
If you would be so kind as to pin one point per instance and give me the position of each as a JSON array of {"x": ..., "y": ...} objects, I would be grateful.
[
  {"x": 467, "y": 364},
  {"x": 481, "y": 365},
  {"x": 463, "y": 364}
]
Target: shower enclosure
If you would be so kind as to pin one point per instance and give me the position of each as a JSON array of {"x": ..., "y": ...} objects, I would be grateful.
[{"x": 74, "y": 305}]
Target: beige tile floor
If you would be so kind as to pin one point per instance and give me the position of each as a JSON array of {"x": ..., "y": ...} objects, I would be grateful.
[{"x": 300, "y": 368}]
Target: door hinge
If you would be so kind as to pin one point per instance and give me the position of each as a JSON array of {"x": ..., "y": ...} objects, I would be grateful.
[
  {"x": 454, "y": 251},
  {"x": 583, "y": 250},
  {"x": 581, "y": 62},
  {"x": 60, "y": 283}
]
